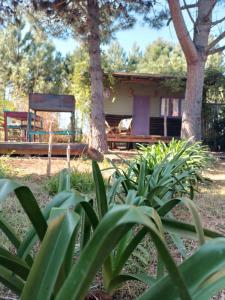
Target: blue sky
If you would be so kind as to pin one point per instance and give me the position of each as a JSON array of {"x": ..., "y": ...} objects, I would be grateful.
[{"x": 142, "y": 35}]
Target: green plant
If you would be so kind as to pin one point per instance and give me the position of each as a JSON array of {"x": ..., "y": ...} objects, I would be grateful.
[
  {"x": 81, "y": 181},
  {"x": 163, "y": 172},
  {"x": 5, "y": 169},
  {"x": 203, "y": 273},
  {"x": 197, "y": 154},
  {"x": 162, "y": 177},
  {"x": 70, "y": 229}
]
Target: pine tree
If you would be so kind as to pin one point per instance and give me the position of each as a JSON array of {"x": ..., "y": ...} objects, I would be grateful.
[{"x": 94, "y": 22}]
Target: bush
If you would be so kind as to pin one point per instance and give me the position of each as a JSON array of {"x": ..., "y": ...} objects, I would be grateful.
[{"x": 80, "y": 181}]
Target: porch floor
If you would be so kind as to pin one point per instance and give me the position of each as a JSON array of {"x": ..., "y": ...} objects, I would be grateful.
[{"x": 129, "y": 138}]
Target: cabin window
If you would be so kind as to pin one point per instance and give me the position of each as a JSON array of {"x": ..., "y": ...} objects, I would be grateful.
[{"x": 174, "y": 106}]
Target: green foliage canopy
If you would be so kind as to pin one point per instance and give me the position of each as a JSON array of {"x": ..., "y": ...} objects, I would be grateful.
[{"x": 28, "y": 63}]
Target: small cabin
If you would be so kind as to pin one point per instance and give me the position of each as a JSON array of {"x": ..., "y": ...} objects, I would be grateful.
[{"x": 152, "y": 102}]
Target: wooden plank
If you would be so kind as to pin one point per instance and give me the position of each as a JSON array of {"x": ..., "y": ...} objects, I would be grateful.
[
  {"x": 136, "y": 138},
  {"x": 51, "y": 103},
  {"x": 27, "y": 148},
  {"x": 40, "y": 148}
]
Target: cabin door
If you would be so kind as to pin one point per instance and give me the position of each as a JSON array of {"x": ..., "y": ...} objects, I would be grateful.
[{"x": 140, "y": 124}]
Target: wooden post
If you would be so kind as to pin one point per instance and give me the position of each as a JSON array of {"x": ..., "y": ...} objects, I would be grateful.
[
  {"x": 73, "y": 126},
  {"x": 34, "y": 123},
  {"x": 5, "y": 126},
  {"x": 41, "y": 124},
  {"x": 49, "y": 149},
  {"x": 29, "y": 127},
  {"x": 165, "y": 116},
  {"x": 68, "y": 155}
]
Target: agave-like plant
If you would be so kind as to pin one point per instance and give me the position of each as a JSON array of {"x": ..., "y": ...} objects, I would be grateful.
[
  {"x": 197, "y": 154},
  {"x": 114, "y": 264},
  {"x": 162, "y": 177},
  {"x": 104, "y": 239},
  {"x": 203, "y": 273},
  {"x": 165, "y": 171}
]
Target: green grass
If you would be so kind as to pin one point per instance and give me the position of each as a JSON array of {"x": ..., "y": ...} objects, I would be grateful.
[
  {"x": 80, "y": 181},
  {"x": 5, "y": 170}
]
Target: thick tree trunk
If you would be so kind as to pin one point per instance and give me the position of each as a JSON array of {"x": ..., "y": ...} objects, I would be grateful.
[
  {"x": 191, "y": 120},
  {"x": 195, "y": 52},
  {"x": 98, "y": 135}
]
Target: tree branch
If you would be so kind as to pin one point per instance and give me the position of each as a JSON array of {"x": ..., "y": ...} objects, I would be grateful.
[
  {"x": 217, "y": 22},
  {"x": 183, "y": 35},
  {"x": 216, "y": 41},
  {"x": 189, "y": 13},
  {"x": 188, "y": 6},
  {"x": 216, "y": 50}
]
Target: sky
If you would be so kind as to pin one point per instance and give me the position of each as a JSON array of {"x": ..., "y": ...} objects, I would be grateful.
[{"x": 141, "y": 35}]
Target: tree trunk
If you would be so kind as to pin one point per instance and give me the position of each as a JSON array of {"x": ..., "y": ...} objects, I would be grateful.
[
  {"x": 98, "y": 135},
  {"x": 191, "y": 120},
  {"x": 195, "y": 52}
]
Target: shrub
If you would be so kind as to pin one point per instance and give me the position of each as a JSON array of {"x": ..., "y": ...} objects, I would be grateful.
[{"x": 80, "y": 181}]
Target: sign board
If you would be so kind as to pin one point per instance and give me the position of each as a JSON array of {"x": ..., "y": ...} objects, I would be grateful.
[{"x": 52, "y": 103}]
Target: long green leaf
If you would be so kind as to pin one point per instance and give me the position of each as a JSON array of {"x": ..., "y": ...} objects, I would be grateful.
[
  {"x": 9, "y": 232},
  {"x": 28, "y": 202},
  {"x": 122, "y": 278},
  {"x": 113, "y": 226},
  {"x": 196, "y": 270},
  {"x": 10, "y": 280},
  {"x": 100, "y": 190},
  {"x": 186, "y": 229},
  {"x": 14, "y": 264},
  {"x": 43, "y": 275}
]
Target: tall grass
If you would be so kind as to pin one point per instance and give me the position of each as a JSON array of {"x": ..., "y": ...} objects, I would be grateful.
[
  {"x": 81, "y": 181},
  {"x": 5, "y": 170}
]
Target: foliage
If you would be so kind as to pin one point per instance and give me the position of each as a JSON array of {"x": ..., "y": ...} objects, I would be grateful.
[
  {"x": 197, "y": 155},
  {"x": 162, "y": 57},
  {"x": 112, "y": 16},
  {"x": 80, "y": 80},
  {"x": 79, "y": 180},
  {"x": 162, "y": 172},
  {"x": 28, "y": 63},
  {"x": 214, "y": 126},
  {"x": 5, "y": 170},
  {"x": 214, "y": 87},
  {"x": 114, "y": 58},
  {"x": 70, "y": 228},
  {"x": 202, "y": 282}
]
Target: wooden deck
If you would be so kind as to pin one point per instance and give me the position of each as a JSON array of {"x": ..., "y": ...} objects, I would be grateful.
[
  {"x": 40, "y": 149},
  {"x": 129, "y": 138}
]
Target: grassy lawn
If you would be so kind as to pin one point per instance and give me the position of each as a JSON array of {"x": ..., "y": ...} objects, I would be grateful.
[{"x": 32, "y": 172}]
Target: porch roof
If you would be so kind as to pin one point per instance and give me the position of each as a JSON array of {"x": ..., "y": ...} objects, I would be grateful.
[{"x": 137, "y": 77}]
